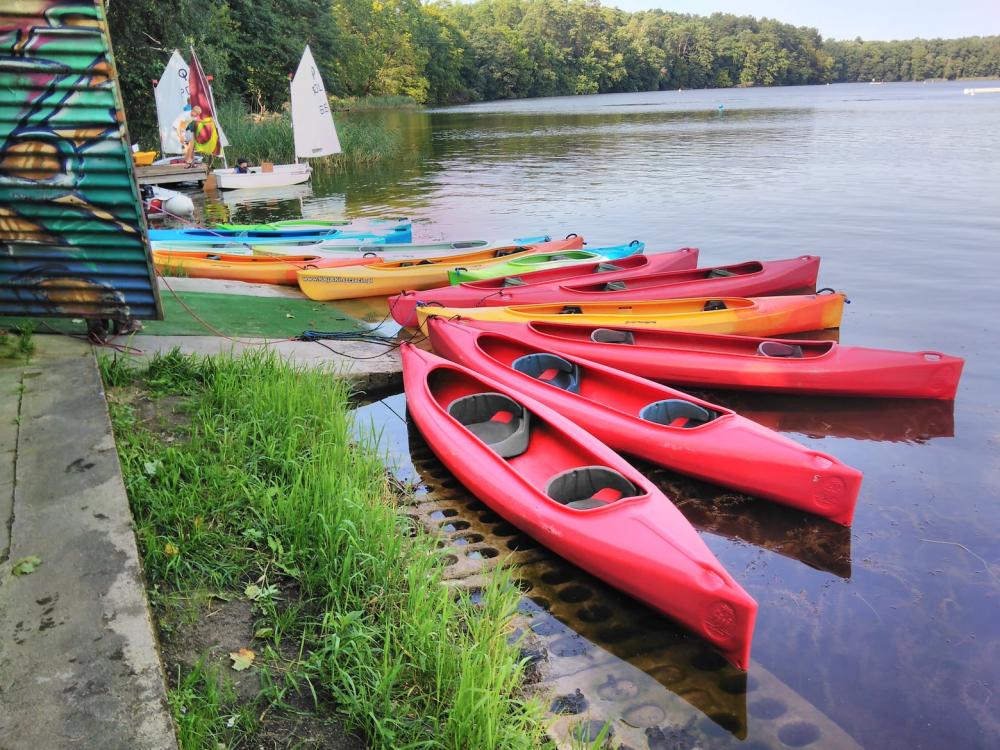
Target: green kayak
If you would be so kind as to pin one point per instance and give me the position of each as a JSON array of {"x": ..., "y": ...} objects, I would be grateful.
[
  {"x": 314, "y": 224},
  {"x": 543, "y": 262}
]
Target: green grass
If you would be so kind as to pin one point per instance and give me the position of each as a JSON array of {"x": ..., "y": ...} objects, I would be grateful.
[
  {"x": 265, "y": 485},
  {"x": 18, "y": 342},
  {"x": 269, "y": 138}
]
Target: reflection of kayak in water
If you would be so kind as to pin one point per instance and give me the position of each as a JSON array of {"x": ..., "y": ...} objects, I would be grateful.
[{"x": 881, "y": 420}]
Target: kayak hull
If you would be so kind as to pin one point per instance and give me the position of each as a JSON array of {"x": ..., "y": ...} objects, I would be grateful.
[
  {"x": 389, "y": 234},
  {"x": 254, "y": 269},
  {"x": 558, "y": 260},
  {"x": 728, "y": 450},
  {"x": 757, "y": 316},
  {"x": 391, "y": 277},
  {"x": 734, "y": 362},
  {"x": 344, "y": 249},
  {"x": 481, "y": 293},
  {"x": 749, "y": 279},
  {"x": 639, "y": 543}
]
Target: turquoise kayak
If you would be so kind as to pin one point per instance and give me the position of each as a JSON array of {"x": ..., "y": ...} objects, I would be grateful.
[{"x": 394, "y": 234}]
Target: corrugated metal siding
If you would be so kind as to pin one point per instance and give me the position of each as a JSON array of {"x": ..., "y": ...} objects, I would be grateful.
[{"x": 73, "y": 239}]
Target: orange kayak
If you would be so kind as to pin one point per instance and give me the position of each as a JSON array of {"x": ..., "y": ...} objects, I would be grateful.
[{"x": 256, "y": 269}]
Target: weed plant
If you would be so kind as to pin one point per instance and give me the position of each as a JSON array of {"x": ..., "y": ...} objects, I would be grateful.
[
  {"x": 264, "y": 492},
  {"x": 18, "y": 343}
]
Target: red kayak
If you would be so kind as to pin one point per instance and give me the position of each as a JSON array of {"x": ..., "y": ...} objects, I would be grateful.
[
  {"x": 712, "y": 360},
  {"x": 656, "y": 423},
  {"x": 569, "y": 491},
  {"x": 474, "y": 293}
]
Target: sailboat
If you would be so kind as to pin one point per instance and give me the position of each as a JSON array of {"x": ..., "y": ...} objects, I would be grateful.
[
  {"x": 314, "y": 132},
  {"x": 172, "y": 94}
]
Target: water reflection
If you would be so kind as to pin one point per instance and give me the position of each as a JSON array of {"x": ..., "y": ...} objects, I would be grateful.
[{"x": 881, "y": 420}]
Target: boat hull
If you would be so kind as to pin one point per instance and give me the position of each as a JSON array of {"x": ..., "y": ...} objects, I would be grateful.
[
  {"x": 733, "y": 362},
  {"x": 248, "y": 268},
  {"x": 333, "y": 236},
  {"x": 479, "y": 293},
  {"x": 562, "y": 260},
  {"x": 281, "y": 175},
  {"x": 757, "y": 316},
  {"x": 383, "y": 279},
  {"x": 640, "y": 544},
  {"x": 728, "y": 450}
]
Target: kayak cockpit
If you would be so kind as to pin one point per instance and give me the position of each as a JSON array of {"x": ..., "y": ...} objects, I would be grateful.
[
  {"x": 611, "y": 336},
  {"x": 551, "y": 369},
  {"x": 676, "y": 412},
  {"x": 498, "y": 420},
  {"x": 588, "y": 487},
  {"x": 780, "y": 350}
]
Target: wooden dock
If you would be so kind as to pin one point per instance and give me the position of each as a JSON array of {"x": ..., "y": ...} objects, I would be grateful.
[{"x": 165, "y": 174}]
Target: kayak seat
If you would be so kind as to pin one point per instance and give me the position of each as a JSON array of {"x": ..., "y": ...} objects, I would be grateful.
[
  {"x": 550, "y": 369},
  {"x": 714, "y": 304},
  {"x": 213, "y": 257},
  {"x": 497, "y": 420},
  {"x": 780, "y": 349},
  {"x": 611, "y": 336},
  {"x": 606, "y": 267},
  {"x": 464, "y": 245},
  {"x": 588, "y": 487},
  {"x": 675, "y": 412},
  {"x": 571, "y": 310},
  {"x": 511, "y": 251},
  {"x": 559, "y": 256},
  {"x": 514, "y": 281},
  {"x": 720, "y": 273},
  {"x": 615, "y": 286}
]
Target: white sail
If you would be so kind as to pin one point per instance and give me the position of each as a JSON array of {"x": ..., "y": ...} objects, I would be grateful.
[
  {"x": 312, "y": 121},
  {"x": 171, "y": 94}
]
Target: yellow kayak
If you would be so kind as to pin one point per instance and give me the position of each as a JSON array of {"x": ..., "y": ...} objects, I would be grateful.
[
  {"x": 387, "y": 278},
  {"x": 756, "y": 316}
]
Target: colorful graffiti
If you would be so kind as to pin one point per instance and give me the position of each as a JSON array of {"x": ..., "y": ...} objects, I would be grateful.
[{"x": 72, "y": 234}]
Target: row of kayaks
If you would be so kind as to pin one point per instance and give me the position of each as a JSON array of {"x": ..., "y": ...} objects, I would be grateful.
[
  {"x": 540, "y": 380},
  {"x": 531, "y": 418},
  {"x": 552, "y": 357}
]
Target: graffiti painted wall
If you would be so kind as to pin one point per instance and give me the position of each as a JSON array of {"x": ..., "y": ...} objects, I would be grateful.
[{"x": 73, "y": 239}]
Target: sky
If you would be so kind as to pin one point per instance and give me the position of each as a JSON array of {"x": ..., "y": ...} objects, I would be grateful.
[{"x": 846, "y": 19}]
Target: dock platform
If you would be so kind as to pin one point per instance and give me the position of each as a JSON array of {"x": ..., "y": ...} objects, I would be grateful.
[{"x": 165, "y": 174}]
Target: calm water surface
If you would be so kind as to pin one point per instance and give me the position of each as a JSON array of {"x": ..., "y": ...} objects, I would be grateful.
[{"x": 896, "y": 638}]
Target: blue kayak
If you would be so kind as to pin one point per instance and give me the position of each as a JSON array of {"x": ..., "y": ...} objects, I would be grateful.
[{"x": 397, "y": 234}]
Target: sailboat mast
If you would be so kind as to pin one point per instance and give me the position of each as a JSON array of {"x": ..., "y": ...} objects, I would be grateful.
[
  {"x": 215, "y": 113},
  {"x": 291, "y": 116}
]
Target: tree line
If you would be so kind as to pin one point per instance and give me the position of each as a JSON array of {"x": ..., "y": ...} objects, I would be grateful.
[{"x": 442, "y": 52}]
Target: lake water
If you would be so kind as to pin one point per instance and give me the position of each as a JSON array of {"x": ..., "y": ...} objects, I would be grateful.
[{"x": 894, "y": 635}]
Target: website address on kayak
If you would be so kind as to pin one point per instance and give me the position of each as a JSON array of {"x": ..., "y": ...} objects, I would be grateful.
[{"x": 342, "y": 280}]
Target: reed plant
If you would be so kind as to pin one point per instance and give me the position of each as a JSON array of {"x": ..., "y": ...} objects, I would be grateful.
[
  {"x": 268, "y": 137},
  {"x": 268, "y": 486}
]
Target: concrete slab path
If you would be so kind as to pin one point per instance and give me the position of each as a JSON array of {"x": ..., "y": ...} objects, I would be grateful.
[{"x": 79, "y": 666}]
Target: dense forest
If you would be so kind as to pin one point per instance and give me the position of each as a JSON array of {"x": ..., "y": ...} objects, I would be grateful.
[{"x": 443, "y": 52}]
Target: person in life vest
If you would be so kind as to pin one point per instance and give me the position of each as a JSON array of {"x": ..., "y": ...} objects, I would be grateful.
[{"x": 186, "y": 127}]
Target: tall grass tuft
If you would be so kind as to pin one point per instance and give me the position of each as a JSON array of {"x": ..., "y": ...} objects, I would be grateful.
[
  {"x": 268, "y": 485},
  {"x": 260, "y": 138}
]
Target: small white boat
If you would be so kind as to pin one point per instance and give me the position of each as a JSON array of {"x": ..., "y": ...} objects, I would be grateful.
[
  {"x": 280, "y": 175},
  {"x": 160, "y": 201},
  {"x": 312, "y": 127}
]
